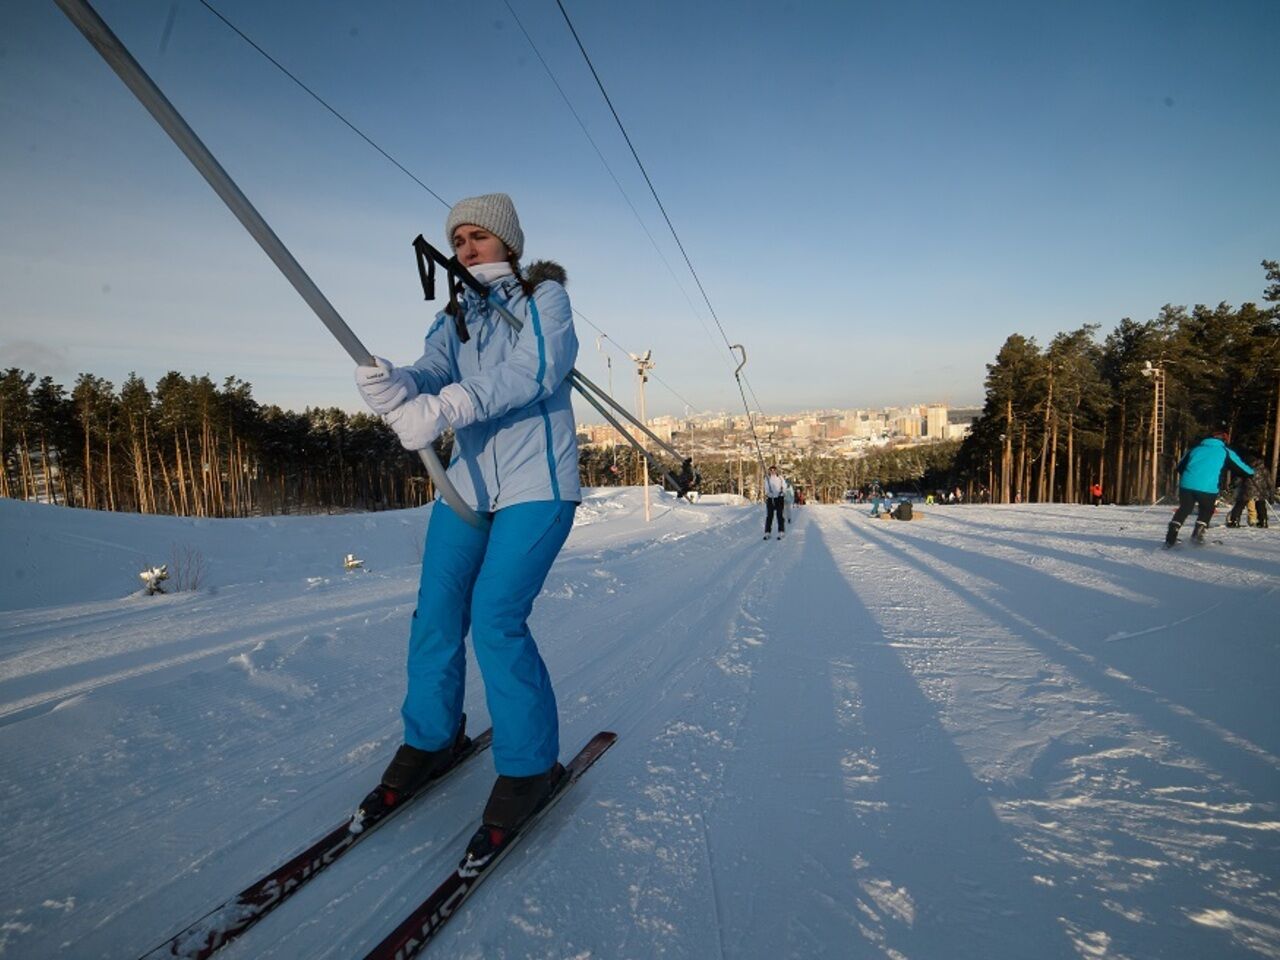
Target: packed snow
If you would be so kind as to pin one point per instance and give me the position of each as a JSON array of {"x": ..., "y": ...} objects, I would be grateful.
[{"x": 990, "y": 732}]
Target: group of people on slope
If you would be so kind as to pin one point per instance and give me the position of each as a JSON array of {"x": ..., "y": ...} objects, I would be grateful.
[{"x": 1201, "y": 469}]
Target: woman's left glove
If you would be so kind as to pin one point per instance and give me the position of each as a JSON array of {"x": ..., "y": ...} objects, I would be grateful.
[
  {"x": 419, "y": 421},
  {"x": 384, "y": 386}
]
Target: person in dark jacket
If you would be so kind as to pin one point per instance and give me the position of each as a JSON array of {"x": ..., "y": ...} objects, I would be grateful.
[
  {"x": 775, "y": 486},
  {"x": 1254, "y": 493},
  {"x": 1201, "y": 471}
]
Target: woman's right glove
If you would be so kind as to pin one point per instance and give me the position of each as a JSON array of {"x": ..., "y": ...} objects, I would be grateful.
[{"x": 385, "y": 386}]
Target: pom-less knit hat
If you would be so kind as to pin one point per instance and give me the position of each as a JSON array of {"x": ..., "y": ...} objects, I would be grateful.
[{"x": 493, "y": 211}]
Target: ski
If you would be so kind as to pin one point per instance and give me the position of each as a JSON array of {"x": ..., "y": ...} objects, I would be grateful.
[
  {"x": 229, "y": 920},
  {"x": 409, "y": 938}
]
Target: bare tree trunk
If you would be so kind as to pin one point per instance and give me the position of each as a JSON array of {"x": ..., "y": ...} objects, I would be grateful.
[
  {"x": 182, "y": 481},
  {"x": 111, "y": 486},
  {"x": 1102, "y": 466},
  {"x": 1022, "y": 463},
  {"x": 90, "y": 495},
  {"x": 1275, "y": 434},
  {"x": 24, "y": 467},
  {"x": 1069, "y": 495},
  {"x": 1122, "y": 495},
  {"x": 1042, "y": 489},
  {"x": 50, "y": 491},
  {"x": 1006, "y": 458},
  {"x": 197, "y": 506},
  {"x": 1053, "y": 462},
  {"x": 139, "y": 481}
]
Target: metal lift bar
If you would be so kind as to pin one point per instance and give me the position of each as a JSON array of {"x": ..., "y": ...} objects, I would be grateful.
[{"x": 87, "y": 21}]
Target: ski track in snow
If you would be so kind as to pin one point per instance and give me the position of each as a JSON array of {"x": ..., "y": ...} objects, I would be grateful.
[{"x": 989, "y": 728}]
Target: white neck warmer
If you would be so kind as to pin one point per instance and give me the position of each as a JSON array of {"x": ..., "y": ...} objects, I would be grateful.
[{"x": 488, "y": 272}]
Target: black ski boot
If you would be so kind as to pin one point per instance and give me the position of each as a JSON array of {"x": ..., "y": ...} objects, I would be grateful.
[
  {"x": 1171, "y": 537},
  {"x": 512, "y": 802},
  {"x": 1197, "y": 535},
  {"x": 408, "y": 771}
]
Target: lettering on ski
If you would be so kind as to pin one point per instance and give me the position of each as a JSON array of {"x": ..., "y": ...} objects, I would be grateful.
[
  {"x": 228, "y": 921},
  {"x": 408, "y": 939}
]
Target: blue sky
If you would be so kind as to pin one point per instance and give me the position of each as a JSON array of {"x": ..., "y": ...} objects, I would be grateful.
[{"x": 874, "y": 195}]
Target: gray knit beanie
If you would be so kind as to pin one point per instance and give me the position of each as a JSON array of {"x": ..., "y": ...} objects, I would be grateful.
[{"x": 493, "y": 211}]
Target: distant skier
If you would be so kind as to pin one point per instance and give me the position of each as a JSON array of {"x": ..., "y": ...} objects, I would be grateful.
[
  {"x": 774, "y": 488},
  {"x": 1253, "y": 495},
  {"x": 688, "y": 480},
  {"x": 1201, "y": 470},
  {"x": 1095, "y": 493},
  {"x": 506, "y": 397}
]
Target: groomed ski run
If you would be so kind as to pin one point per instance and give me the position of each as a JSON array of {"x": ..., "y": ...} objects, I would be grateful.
[{"x": 986, "y": 727}]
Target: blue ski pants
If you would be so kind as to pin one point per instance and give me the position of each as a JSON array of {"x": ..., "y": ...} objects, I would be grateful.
[{"x": 486, "y": 581}]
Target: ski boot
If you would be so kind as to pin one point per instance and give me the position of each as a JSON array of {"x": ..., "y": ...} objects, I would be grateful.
[
  {"x": 1171, "y": 538},
  {"x": 512, "y": 802},
  {"x": 1233, "y": 522},
  {"x": 1197, "y": 535},
  {"x": 410, "y": 769}
]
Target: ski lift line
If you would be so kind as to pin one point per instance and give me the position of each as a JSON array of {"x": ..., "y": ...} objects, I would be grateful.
[
  {"x": 320, "y": 100},
  {"x": 609, "y": 170},
  {"x": 645, "y": 174},
  {"x": 100, "y": 36},
  {"x": 689, "y": 263},
  {"x": 737, "y": 375}
]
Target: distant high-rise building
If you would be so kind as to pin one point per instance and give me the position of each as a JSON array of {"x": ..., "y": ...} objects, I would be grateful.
[
  {"x": 936, "y": 421},
  {"x": 908, "y": 426}
]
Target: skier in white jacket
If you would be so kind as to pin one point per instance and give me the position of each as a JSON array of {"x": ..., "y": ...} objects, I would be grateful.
[{"x": 774, "y": 504}]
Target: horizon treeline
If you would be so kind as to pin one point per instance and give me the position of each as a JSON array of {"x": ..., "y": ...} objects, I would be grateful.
[
  {"x": 1059, "y": 418},
  {"x": 1055, "y": 420},
  {"x": 191, "y": 448}
]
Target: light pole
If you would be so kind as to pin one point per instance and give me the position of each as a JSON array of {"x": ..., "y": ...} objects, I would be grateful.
[
  {"x": 643, "y": 365},
  {"x": 1156, "y": 376}
]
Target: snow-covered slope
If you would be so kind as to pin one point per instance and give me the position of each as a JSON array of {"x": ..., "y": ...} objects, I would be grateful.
[{"x": 992, "y": 732}]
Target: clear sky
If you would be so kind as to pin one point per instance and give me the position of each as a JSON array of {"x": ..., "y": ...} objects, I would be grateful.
[{"x": 874, "y": 194}]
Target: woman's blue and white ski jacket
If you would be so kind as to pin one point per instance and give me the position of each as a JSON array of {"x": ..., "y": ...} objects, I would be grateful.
[{"x": 524, "y": 445}]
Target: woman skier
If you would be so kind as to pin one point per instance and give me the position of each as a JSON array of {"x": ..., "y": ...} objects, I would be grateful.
[{"x": 506, "y": 397}]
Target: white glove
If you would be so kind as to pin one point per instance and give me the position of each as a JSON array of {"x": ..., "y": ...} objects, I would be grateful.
[
  {"x": 385, "y": 386},
  {"x": 419, "y": 421}
]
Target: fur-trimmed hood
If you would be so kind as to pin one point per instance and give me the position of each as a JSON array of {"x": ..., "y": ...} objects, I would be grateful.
[{"x": 541, "y": 270}]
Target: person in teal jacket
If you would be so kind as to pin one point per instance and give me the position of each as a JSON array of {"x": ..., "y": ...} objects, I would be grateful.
[
  {"x": 505, "y": 395},
  {"x": 1201, "y": 471}
]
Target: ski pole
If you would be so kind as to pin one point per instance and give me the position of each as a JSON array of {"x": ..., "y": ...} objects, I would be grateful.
[
  {"x": 101, "y": 37},
  {"x": 1144, "y": 512}
]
